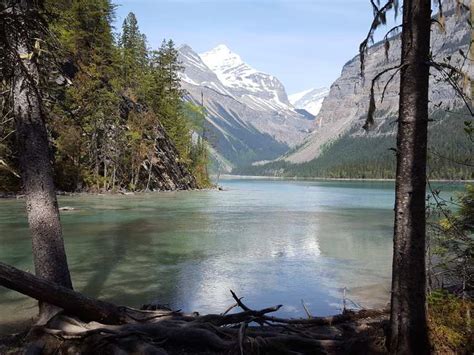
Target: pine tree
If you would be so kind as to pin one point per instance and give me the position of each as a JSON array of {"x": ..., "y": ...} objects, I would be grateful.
[
  {"x": 134, "y": 53},
  {"x": 106, "y": 113},
  {"x": 91, "y": 105},
  {"x": 166, "y": 96}
]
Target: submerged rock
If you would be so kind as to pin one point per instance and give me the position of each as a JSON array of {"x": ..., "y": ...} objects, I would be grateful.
[{"x": 67, "y": 208}]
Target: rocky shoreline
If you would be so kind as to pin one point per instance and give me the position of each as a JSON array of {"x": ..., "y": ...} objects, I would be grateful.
[{"x": 7, "y": 195}]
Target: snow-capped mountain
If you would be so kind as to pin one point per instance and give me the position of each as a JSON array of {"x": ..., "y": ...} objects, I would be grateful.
[
  {"x": 248, "y": 112},
  {"x": 198, "y": 73},
  {"x": 259, "y": 90},
  {"x": 310, "y": 100}
]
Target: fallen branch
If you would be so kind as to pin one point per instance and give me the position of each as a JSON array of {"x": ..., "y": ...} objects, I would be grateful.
[
  {"x": 103, "y": 327},
  {"x": 72, "y": 302}
]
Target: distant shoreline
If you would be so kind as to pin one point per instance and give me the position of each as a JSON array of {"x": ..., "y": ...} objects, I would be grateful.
[
  {"x": 218, "y": 188},
  {"x": 259, "y": 177}
]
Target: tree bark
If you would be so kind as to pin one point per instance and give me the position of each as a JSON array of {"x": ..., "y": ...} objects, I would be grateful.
[
  {"x": 408, "y": 320},
  {"x": 74, "y": 303},
  {"x": 471, "y": 50},
  {"x": 34, "y": 157}
]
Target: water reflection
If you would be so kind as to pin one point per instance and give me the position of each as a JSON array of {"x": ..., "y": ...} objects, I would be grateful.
[{"x": 272, "y": 242}]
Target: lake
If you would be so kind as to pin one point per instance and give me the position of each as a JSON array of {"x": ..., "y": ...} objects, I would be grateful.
[{"x": 271, "y": 241}]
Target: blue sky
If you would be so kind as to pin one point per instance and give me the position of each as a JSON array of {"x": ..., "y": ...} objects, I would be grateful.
[{"x": 304, "y": 43}]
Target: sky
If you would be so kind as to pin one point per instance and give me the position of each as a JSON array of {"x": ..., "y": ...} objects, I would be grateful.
[{"x": 304, "y": 43}]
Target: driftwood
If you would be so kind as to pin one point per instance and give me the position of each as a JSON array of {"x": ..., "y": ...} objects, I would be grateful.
[
  {"x": 72, "y": 302},
  {"x": 92, "y": 326}
]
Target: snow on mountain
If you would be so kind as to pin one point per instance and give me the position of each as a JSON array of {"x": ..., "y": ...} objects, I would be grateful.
[
  {"x": 259, "y": 90},
  {"x": 197, "y": 73},
  {"x": 295, "y": 97},
  {"x": 248, "y": 112},
  {"x": 310, "y": 100},
  {"x": 228, "y": 66}
]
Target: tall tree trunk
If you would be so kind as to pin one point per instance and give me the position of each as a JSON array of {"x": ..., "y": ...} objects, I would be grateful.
[
  {"x": 408, "y": 322},
  {"x": 149, "y": 175},
  {"x": 471, "y": 49},
  {"x": 105, "y": 175},
  {"x": 113, "y": 177},
  {"x": 34, "y": 156}
]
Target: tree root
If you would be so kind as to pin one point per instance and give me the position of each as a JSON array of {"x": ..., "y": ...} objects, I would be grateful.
[
  {"x": 246, "y": 332},
  {"x": 89, "y": 326}
]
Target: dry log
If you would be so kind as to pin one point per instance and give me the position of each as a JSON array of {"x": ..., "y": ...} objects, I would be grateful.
[
  {"x": 72, "y": 302},
  {"x": 331, "y": 320},
  {"x": 101, "y": 324},
  {"x": 347, "y": 315}
]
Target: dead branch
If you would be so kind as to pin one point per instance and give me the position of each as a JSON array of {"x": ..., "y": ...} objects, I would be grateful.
[
  {"x": 123, "y": 327},
  {"x": 380, "y": 18},
  {"x": 72, "y": 302},
  {"x": 370, "y": 114},
  {"x": 450, "y": 78}
]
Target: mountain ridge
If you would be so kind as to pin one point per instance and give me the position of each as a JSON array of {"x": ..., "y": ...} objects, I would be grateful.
[
  {"x": 346, "y": 106},
  {"x": 257, "y": 89},
  {"x": 249, "y": 119}
]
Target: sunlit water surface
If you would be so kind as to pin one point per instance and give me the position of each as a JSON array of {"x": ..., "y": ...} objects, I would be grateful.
[{"x": 273, "y": 242}]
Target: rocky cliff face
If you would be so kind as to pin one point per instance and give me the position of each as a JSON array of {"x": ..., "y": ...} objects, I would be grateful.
[
  {"x": 248, "y": 117},
  {"x": 168, "y": 173},
  {"x": 345, "y": 108}
]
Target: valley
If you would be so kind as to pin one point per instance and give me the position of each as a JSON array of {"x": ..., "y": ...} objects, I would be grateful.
[
  {"x": 256, "y": 128},
  {"x": 248, "y": 115}
]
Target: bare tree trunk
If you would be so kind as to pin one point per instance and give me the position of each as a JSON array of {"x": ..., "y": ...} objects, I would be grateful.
[
  {"x": 472, "y": 50},
  {"x": 137, "y": 176},
  {"x": 97, "y": 170},
  {"x": 49, "y": 255},
  {"x": 149, "y": 175},
  {"x": 105, "y": 175},
  {"x": 113, "y": 177},
  {"x": 408, "y": 322}
]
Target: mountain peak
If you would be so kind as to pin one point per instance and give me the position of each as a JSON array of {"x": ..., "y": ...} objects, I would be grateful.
[
  {"x": 222, "y": 50},
  {"x": 184, "y": 46},
  {"x": 259, "y": 90},
  {"x": 221, "y": 58},
  {"x": 221, "y": 47}
]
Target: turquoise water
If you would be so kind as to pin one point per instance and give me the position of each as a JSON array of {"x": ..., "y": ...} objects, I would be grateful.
[{"x": 273, "y": 242}]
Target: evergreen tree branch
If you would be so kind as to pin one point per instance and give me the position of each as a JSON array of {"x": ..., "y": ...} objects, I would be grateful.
[{"x": 449, "y": 72}]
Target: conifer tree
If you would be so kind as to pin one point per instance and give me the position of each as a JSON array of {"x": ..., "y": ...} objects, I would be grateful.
[
  {"x": 91, "y": 103},
  {"x": 167, "y": 96},
  {"x": 134, "y": 53}
]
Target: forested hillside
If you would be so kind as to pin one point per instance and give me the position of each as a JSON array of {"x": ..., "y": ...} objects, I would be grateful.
[
  {"x": 115, "y": 110},
  {"x": 249, "y": 117},
  {"x": 356, "y": 155},
  {"x": 340, "y": 147}
]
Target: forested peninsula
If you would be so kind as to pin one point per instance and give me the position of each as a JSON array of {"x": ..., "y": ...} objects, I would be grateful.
[{"x": 114, "y": 109}]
